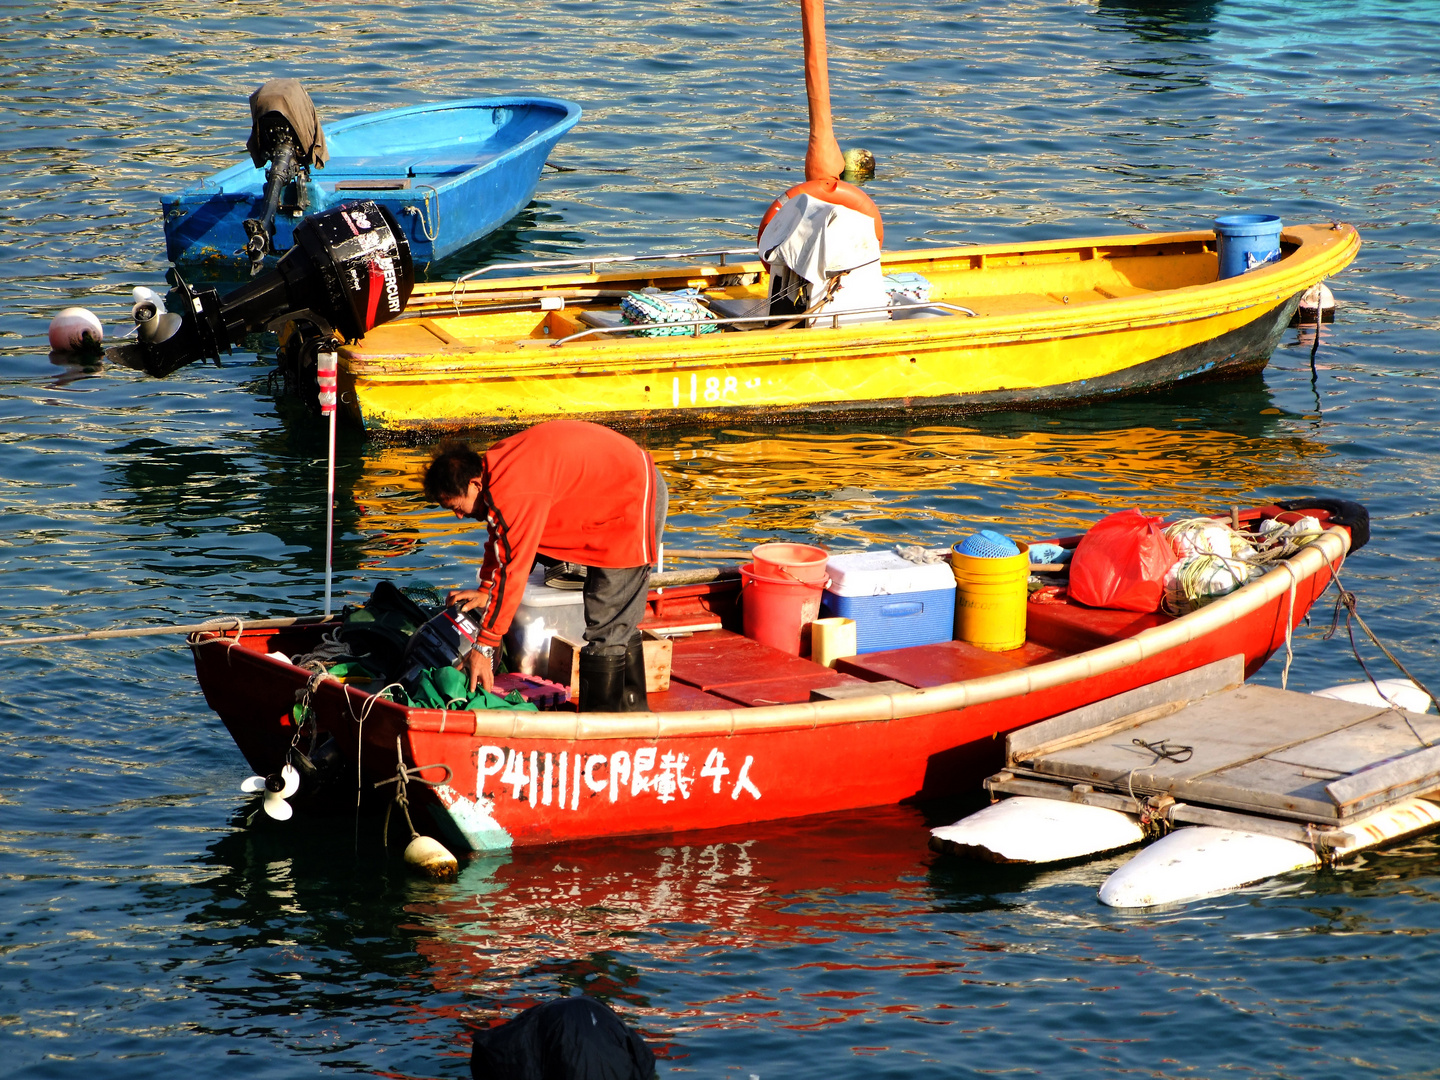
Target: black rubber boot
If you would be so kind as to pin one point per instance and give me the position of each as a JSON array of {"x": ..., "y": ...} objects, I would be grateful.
[
  {"x": 635, "y": 699},
  {"x": 602, "y": 681}
]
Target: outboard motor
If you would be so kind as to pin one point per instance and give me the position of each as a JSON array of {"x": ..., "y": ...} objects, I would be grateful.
[
  {"x": 443, "y": 641},
  {"x": 349, "y": 271},
  {"x": 285, "y": 132}
]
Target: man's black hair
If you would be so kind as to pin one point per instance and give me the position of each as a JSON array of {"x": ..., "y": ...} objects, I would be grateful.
[{"x": 450, "y": 471}]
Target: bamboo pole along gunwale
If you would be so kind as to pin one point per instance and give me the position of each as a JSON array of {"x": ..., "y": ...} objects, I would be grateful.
[
  {"x": 224, "y": 624},
  {"x": 1326, "y": 551},
  {"x": 218, "y": 625}
]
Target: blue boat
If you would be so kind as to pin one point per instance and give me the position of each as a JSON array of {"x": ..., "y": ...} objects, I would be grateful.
[{"x": 449, "y": 171}]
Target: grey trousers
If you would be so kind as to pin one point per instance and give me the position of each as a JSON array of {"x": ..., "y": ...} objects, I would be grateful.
[{"x": 615, "y": 599}]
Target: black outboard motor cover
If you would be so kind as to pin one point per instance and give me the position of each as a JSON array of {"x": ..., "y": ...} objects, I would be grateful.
[
  {"x": 363, "y": 260},
  {"x": 348, "y": 272},
  {"x": 443, "y": 641}
]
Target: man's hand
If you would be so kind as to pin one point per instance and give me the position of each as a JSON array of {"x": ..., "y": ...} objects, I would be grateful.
[
  {"x": 479, "y": 669},
  {"x": 472, "y": 598}
]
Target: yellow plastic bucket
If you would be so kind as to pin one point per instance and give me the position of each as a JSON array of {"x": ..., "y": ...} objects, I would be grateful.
[{"x": 990, "y": 597}]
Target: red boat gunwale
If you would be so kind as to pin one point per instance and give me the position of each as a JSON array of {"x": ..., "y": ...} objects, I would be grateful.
[{"x": 525, "y": 778}]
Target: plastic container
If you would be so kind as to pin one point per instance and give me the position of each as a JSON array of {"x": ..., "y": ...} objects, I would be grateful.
[
  {"x": 830, "y": 639},
  {"x": 543, "y": 613},
  {"x": 1246, "y": 242},
  {"x": 776, "y": 610},
  {"x": 894, "y": 602},
  {"x": 990, "y": 597},
  {"x": 796, "y": 562}
]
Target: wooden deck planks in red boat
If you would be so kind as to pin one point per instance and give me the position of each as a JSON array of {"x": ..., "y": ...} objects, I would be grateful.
[
  {"x": 721, "y": 658},
  {"x": 681, "y": 697},
  {"x": 1073, "y": 628},
  {"x": 944, "y": 662},
  {"x": 784, "y": 691},
  {"x": 746, "y": 672}
]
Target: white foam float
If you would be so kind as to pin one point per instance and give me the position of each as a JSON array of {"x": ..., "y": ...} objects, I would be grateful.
[
  {"x": 1025, "y": 829},
  {"x": 76, "y": 330},
  {"x": 1401, "y": 693},
  {"x": 1203, "y": 861}
]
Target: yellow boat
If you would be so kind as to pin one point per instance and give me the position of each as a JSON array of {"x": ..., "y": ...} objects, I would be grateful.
[{"x": 1004, "y": 326}]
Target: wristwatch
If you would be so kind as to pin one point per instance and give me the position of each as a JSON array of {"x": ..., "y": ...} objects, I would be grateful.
[{"x": 487, "y": 651}]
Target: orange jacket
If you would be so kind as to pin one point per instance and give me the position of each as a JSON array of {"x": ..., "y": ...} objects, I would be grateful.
[{"x": 568, "y": 489}]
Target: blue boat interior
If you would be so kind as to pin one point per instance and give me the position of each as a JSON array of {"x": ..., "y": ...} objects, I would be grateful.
[{"x": 435, "y": 144}]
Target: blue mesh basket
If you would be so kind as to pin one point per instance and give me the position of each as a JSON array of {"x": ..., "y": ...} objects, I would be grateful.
[{"x": 987, "y": 544}]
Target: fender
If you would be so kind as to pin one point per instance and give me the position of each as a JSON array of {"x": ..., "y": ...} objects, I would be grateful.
[{"x": 831, "y": 191}]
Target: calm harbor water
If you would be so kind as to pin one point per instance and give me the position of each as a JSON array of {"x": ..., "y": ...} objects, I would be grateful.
[{"x": 146, "y": 930}]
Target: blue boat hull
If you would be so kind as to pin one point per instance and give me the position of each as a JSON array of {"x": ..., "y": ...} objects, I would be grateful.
[{"x": 450, "y": 172}]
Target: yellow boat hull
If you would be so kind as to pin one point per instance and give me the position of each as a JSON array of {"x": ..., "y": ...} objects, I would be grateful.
[{"x": 1055, "y": 322}]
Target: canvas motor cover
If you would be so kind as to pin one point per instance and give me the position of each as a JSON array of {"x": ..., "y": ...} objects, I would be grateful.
[{"x": 288, "y": 98}]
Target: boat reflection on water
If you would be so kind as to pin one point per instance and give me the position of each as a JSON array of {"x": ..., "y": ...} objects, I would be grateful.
[
  {"x": 594, "y": 917},
  {"x": 877, "y": 483}
]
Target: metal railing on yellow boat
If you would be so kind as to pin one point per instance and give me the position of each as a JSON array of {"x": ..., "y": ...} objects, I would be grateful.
[
  {"x": 597, "y": 260},
  {"x": 833, "y": 316}
]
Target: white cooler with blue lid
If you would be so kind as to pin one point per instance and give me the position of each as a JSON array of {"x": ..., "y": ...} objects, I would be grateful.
[{"x": 893, "y": 601}]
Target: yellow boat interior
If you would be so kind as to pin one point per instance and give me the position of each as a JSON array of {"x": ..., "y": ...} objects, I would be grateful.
[{"x": 549, "y": 309}]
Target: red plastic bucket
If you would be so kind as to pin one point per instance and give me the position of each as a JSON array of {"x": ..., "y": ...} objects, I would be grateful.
[
  {"x": 777, "y": 610},
  {"x": 790, "y": 562}
]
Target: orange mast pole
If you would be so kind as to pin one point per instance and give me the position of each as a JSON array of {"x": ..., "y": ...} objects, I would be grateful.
[{"x": 823, "y": 160}]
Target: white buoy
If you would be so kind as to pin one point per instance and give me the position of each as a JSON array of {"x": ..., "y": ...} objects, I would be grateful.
[
  {"x": 1316, "y": 298},
  {"x": 76, "y": 330},
  {"x": 432, "y": 858},
  {"x": 1025, "y": 829},
  {"x": 1201, "y": 861},
  {"x": 1400, "y": 693}
]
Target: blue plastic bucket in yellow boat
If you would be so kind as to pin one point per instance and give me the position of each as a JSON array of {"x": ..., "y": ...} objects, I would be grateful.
[{"x": 1246, "y": 242}]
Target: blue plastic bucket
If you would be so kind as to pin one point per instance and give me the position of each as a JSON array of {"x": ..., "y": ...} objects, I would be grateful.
[{"x": 1246, "y": 242}]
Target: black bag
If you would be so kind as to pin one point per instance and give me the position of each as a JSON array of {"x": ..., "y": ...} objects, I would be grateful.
[
  {"x": 378, "y": 631},
  {"x": 573, "y": 1038}
]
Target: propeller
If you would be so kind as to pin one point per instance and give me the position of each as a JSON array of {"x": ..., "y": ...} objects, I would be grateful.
[{"x": 277, "y": 788}]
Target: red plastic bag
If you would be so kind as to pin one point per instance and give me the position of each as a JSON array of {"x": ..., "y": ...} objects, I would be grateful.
[{"x": 1121, "y": 563}]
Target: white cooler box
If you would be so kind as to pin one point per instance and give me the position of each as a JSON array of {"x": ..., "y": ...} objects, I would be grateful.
[
  {"x": 543, "y": 613},
  {"x": 894, "y": 602}
]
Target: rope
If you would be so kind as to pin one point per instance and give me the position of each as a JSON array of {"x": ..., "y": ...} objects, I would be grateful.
[
  {"x": 1347, "y": 599},
  {"x": 403, "y": 775},
  {"x": 328, "y": 651},
  {"x": 1289, "y": 629},
  {"x": 360, "y": 746},
  {"x": 428, "y": 232},
  {"x": 1165, "y": 750},
  {"x": 1197, "y": 571}
]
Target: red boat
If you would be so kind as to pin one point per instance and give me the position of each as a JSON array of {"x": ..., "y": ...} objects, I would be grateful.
[{"x": 737, "y": 737}]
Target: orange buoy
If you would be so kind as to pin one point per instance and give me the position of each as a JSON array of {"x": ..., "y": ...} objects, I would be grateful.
[{"x": 832, "y": 191}]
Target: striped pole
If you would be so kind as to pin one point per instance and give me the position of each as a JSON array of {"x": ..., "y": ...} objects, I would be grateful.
[{"x": 327, "y": 367}]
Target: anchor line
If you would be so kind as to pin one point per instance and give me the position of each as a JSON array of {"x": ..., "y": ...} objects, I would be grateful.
[
  {"x": 1346, "y": 598},
  {"x": 403, "y": 775},
  {"x": 360, "y": 746}
]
